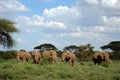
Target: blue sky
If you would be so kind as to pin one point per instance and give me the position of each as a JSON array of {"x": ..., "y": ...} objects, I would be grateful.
[{"x": 63, "y": 22}]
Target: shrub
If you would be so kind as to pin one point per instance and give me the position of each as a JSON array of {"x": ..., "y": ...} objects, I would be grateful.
[
  {"x": 105, "y": 64},
  {"x": 116, "y": 77},
  {"x": 46, "y": 60},
  {"x": 115, "y": 56},
  {"x": 8, "y": 54}
]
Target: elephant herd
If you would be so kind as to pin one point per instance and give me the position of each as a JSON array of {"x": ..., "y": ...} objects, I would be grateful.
[
  {"x": 36, "y": 56},
  {"x": 66, "y": 56}
]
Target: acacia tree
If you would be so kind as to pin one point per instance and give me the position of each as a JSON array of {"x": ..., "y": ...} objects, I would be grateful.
[
  {"x": 46, "y": 46},
  {"x": 85, "y": 52},
  {"x": 114, "y": 46},
  {"x": 6, "y": 28},
  {"x": 72, "y": 48}
]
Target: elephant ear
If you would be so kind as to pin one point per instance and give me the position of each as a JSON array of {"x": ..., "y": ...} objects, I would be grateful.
[{"x": 95, "y": 55}]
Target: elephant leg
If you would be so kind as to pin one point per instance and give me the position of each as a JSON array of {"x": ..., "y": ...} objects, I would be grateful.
[
  {"x": 99, "y": 63},
  {"x": 95, "y": 63},
  {"x": 72, "y": 62},
  {"x": 40, "y": 61},
  {"x": 18, "y": 59},
  {"x": 23, "y": 59},
  {"x": 55, "y": 60},
  {"x": 26, "y": 59},
  {"x": 33, "y": 61},
  {"x": 37, "y": 62}
]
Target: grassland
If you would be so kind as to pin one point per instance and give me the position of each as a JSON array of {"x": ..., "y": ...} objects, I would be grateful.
[{"x": 11, "y": 70}]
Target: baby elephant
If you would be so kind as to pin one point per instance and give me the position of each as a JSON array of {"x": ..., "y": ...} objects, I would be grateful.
[{"x": 36, "y": 57}]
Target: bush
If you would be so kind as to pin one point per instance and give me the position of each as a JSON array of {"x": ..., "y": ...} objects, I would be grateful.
[
  {"x": 116, "y": 77},
  {"x": 8, "y": 54},
  {"x": 105, "y": 64},
  {"x": 46, "y": 60},
  {"x": 115, "y": 56}
]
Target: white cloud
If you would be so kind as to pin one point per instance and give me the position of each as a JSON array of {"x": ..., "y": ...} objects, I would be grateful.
[
  {"x": 53, "y": 24},
  {"x": 29, "y": 31},
  {"x": 78, "y": 33},
  {"x": 34, "y": 20},
  {"x": 92, "y": 1},
  {"x": 12, "y": 6},
  {"x": 74, "y": 34},
  {"x": 49, "y": 35},
  {"x": 99, "y": 28},
  {"x": 111, "y": 3},
  {"x": 62, "y": 14},
  {"x": 110, "y": 7},
  {"x": 60, "y": 10},
  {"x": 111, "y": 20},
  {"x": 107, "y": 29},
  {"x": 37, "y": 20},
  {"x": 19, "y": 40}
]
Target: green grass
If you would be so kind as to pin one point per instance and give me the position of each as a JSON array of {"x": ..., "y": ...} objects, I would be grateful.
[{"x": 11, "y": 70}]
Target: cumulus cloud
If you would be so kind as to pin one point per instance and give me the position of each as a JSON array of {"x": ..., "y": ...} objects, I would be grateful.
[
  {"x": 62, "y": 14},
  {"x": 19, "y": 40},
  {"x": 12, "y": 6},
  {"x": 106, "y": 29},
  {"x": 53, "y": 24},
  {"x": 39, "y": 21},
  {"x": 110, "y": 7},
  {"x": 87, "y": 17},
  {"x": 34, "y": 20},
  {"x": 31, "y": 31},
  {"x": 110, "y": 3},
  {"x": 92, "y": 2},
  {"x": 111, "y": 20},
  {"x": 56, "y": 11},
  {"x": 78, "y": 33}
]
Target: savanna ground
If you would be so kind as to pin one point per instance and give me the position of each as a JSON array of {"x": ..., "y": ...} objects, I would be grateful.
[{"x": 11, "y": 70}]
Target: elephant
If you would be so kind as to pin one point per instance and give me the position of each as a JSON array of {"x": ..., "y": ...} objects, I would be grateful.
[
  {"x": 23, "y": 55},
  {"x": 51, "y": 53},
  {"x": 68, "y": 57},
  {"x": 106, "y": 57},
  {"x": 36, "y": 57},
  {"x": 65, "y": 56},
  {"x": 100, "y": 57}
]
